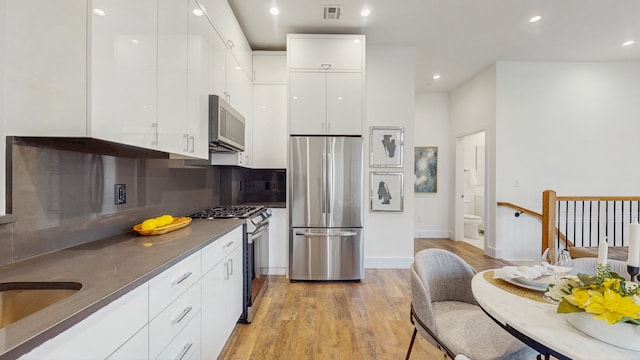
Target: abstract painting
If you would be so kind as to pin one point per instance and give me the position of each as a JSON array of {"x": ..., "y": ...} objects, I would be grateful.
[
  {"x": 387, "y": 191},
  {"x": 426, "y": 169},
  {"x": 386, "y": 146}
]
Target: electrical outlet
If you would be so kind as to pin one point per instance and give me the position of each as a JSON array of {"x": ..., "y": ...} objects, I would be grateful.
[{"x": 120, "y": 191}]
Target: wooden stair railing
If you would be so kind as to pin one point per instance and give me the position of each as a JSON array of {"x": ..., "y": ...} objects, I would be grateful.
[{"x": 550, "y": 221}]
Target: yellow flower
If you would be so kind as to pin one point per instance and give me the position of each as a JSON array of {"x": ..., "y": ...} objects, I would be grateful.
[
  {"x": 611, "y": 306},
  {"x": 579, "y": 297},
  {"x": 613, "y": 284}
]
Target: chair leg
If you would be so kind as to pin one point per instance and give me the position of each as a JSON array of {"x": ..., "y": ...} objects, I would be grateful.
[{"x": 413, "y": 338}]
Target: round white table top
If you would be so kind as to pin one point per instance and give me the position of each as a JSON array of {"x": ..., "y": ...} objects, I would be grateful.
[{"x": 540, "y": 322}]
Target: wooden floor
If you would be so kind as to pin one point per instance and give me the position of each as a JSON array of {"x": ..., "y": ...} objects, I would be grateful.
[{"x": 341, "y": 320}]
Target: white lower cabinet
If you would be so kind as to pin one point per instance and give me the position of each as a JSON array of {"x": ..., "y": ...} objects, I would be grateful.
[
  {"x": 178, "y": 314},
  {"x": 174, "y": 319},
  {"x": 102, "y": 333},
  {"x": 221, "y": 292},
  {"x": 135, "y": 348}
]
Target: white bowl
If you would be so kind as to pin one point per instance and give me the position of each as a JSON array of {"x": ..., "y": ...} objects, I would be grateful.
[{"x": 623, "y": 335}]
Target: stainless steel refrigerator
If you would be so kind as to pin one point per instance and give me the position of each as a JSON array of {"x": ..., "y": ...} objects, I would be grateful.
[{"x": 326, "y": 204}]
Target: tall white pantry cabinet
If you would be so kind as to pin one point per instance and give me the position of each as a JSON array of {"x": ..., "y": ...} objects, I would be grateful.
[{"x": 326, "y": 84}]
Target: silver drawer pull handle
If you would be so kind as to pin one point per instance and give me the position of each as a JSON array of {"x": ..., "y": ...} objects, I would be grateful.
[
  {"x": 184, "y": 351},
  {"x": 227, "y": 244},
  {"x": 182, "y": 315},
  {"x": 345, "y": 233},
  {"x": 183, "y": 278},
  {"x": 325, "y": 66}
]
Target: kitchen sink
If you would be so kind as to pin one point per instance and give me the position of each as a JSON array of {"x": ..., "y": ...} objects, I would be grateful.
[{"x": 20, "y": 299}]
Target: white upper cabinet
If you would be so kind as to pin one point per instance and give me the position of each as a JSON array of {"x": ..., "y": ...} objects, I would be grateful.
[
  {"x": 269, "y": 67},
  {"x": 40, "y": 30},
  {"x": 198, "y": 74},
  {"x": 173, "y": 25},
  {"x": 326, "y": 84},
  {"x": 222, "y": 17},
  {"x": 269, "y": 126},
  {"x": 326, "y": 52},
  {"x": 123, "y": 63}
]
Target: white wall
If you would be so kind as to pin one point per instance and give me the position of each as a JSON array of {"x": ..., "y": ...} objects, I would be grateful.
[
  {"x": 390, "y": 101},
  {"x": 473, "y": 109},
  {"x": 432, "y": 129},
  {"x": 568, "y": 127}
]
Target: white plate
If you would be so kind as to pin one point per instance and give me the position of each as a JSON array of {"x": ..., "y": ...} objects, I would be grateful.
[{"x": 539, "y": 284}]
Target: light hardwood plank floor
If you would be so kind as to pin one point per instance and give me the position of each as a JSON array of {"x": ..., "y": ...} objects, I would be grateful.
[{"x": 341, "y": 320}]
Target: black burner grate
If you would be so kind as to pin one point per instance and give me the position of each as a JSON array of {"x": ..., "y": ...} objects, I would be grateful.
[{"x": 227, "y": 211}]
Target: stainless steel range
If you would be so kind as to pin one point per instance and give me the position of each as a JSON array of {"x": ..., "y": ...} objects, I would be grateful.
[{"x": 255, "y": 249}]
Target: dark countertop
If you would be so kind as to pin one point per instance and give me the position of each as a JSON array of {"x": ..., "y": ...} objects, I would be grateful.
[{"x": 107, "y": 269}]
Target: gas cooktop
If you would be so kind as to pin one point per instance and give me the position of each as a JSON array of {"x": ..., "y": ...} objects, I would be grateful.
[{"x": 227, "y": 211}]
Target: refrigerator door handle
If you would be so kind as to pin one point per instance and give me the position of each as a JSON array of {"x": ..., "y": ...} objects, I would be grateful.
[
  {"x": 326, "y": 234},
  {"x": 323, "y": 184}
]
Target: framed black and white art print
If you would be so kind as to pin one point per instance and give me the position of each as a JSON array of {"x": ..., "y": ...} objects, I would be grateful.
[
  {"x": 387, "y": 194},
  {"x": 386, "y": 146}
]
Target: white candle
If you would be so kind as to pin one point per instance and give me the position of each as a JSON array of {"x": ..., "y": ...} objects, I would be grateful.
[
  {"x": 634, "y": 245},
  {"x": 603, "y": 251}
]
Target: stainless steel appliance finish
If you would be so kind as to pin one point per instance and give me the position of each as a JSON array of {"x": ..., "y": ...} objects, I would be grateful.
[
  {"x": 326, "y": 212},
  {"x": 226, "y": 126},
  {"x": 255, "y": 250}
]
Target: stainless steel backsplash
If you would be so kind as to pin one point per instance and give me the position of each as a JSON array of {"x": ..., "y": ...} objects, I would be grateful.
[{"x": 63, "y": 197}]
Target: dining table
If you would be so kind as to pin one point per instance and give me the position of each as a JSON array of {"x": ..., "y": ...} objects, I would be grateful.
[{"x": 526, "y": 314}]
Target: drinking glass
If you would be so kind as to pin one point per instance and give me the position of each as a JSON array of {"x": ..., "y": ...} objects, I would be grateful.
[{"x": 558, "y": 261}]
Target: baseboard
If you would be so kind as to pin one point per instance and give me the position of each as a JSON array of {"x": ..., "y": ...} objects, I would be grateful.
[
  {"x": 431, "y": 234},
  {"x": 388, "y": 262},
  {"x": 277, "y": 271}
]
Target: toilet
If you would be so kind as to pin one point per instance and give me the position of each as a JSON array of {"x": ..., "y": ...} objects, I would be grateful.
[{"x": 472, "y": 226}]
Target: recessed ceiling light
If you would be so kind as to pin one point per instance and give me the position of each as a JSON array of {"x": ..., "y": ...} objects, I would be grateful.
[
  {"x": 274, "y": 11},
  {"x": 628, "y": 42},
  {"x": 135, "y": 41},
  {"x": 99, "y": 12},
  {"x": 436, "y": 77},
  {"x": 198, "y": 12},
  {"x": 365, "y": 12},
  {"x": 534, "y": 19}
]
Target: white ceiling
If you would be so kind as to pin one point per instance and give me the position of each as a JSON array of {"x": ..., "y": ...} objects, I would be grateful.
[{"x": 458, "y": 38}]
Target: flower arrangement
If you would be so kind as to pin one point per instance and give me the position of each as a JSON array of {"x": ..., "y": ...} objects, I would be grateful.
[{"x": 607, "y": 296}]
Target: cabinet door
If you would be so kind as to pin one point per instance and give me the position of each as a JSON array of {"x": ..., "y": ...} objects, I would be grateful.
[
  {"x": 55, "y": 31},
  {"x": 234, "y": 290},
  {"x": 269, "y": 126},
  {"x": 307, "y": 106},
  {"x": 328, "y": 52},
  {"x": 214, "y": 302},
  {"x": 344, "y": 103},
  {"x": 197, "y": 142},
  {"x": 172, "y": 75},
  {"x": 270, "y": 67},
  {"x": 123, "y": 57},
  {"x": 278, "y": 242}
]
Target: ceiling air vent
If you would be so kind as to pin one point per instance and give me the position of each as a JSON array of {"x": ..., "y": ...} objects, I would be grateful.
[{"x": 332, "y": 12}]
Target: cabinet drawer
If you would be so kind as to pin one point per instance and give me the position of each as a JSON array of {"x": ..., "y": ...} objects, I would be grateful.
[
  {"x": 186, "y": 345},
  {"x": 167, "y": 286},
  {"x": 219, "y": 249},
  {"x": 173, "y": 319}
]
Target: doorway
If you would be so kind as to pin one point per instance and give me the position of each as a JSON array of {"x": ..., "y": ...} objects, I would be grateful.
[{"x": 470, "y": 181}]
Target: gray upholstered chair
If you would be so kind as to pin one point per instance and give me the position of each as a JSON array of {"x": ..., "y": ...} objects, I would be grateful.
[
  {"x": 445, "y": 313},
  {"x": 588, "y": 265}
]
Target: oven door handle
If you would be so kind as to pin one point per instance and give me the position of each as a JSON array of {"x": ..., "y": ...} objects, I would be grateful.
[
  {"x": 257, "y": 232},
  {"x": 318, "y": 234}
]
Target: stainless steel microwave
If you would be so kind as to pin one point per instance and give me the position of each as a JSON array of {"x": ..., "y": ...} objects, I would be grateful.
[{"x": 226, "y": 126}]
